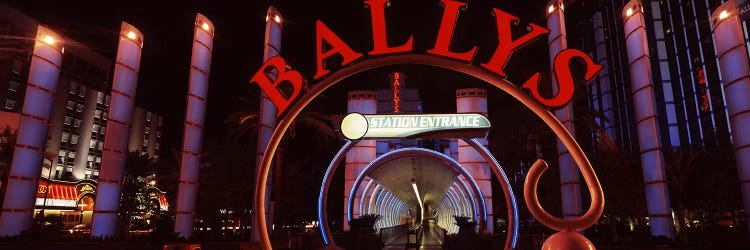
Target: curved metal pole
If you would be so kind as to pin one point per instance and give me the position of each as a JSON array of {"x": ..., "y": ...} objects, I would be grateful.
[
  {"x": 459, "y": 201},
  {"x": 592, "y": 182},
  {"x": 371, "y": 200},
  {"x": 323, "y": 196},
  {"x": 378, "y": 200},
  {"x": 510, "y": 198},
  {"x": 475, "y": 207},
  {"x": 364, "y": 196}
]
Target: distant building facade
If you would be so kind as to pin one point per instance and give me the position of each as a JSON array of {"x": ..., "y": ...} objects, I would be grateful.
[
  {"x": 78, "y": 123},
  {"x": 79, "y": 116}
]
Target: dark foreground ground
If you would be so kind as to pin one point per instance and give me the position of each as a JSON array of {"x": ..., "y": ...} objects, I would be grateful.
[{"x": 722, "y": 240}]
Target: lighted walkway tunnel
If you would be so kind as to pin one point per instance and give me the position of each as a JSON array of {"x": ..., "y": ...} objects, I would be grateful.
[
  {"x": 399, "y": 184},
  {"x": 416, "y": 187}
]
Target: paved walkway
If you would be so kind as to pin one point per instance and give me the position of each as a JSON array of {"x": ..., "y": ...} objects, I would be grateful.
[{"x": 430, "y": 236}]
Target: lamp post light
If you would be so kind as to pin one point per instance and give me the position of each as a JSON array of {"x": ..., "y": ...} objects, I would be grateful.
[
  {"x": 31, "y": 141},
  {"x": 267, "y": 112},
  {"x": 733, "y": 62},
  {"x": 652, "y": 159},
  {"x": 570, "y": 185},
  {"x": 192, "y": 144},
  {"x": 114, "y": 151}
]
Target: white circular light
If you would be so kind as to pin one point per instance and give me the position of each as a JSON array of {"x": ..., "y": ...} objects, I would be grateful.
[
  {"x": 131, "y": 35},
  {"x": 354, "y": 126}
]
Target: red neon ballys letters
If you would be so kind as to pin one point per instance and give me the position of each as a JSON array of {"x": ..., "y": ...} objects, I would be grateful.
[{"x": 505, "y": 48}]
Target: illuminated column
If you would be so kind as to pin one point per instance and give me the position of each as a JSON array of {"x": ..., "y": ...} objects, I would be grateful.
[
  {"x": 363, "y": 102},
  {"x": 735, "y": 71},
  {"x": 267, "y": 112},
  {"x": 32, "y": 134},
  {"x": 475, "y": 101},
  {"x": 192, "y": 140},
  {"x": 654, "y": 175},
  {"x": 604, "y": 79},
  {"x": 122, "y": 100},
  {"x": 570, "y": 186},
  {"x": 84, "y": 135}
]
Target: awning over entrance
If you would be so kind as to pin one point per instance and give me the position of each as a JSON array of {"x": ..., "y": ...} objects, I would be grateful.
[
  {"x": 57, "y": 194},
  {"x": 163, "y": 204}
]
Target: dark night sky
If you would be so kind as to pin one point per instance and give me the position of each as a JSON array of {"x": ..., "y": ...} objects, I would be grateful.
[{"x": 167, "y": 28}]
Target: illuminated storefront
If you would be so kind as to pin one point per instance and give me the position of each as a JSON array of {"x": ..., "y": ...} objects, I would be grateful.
[{"x": 74, "y": 201}]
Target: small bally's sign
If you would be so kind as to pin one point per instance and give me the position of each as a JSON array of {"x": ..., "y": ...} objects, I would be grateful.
[{"x": 357, "y": 126}]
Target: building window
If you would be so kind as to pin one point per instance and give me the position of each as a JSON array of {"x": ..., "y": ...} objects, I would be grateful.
[
  {"x": 102, "y": 129},
  {"x": 160, "y": 121},
  {"x": 98, "y": 114},
  {"x": 92, "y": 144},
  {"x": 68, "y": 120},
  {"x": 106, "y": 100},
  {"x": 73, "y": 87},
  {"x": 82, "y": 91},
  {"x": 17, "y": 65},
  {"x": 13, "y": 86},
  {"x": 65, "y": 137},
  {"x": 100, "y": 148},
  {"x": 77, "y": 123},
  {"x": 104, "y": 115},
  {"x": 72, "y": 155},
  {"x": 10, "y": 104},
  {"x": 99, "y": 97},
  {"x": 71, "y": 105},
  {"x": 74, "y": 139},
  {"x": 79, "y": 107}
]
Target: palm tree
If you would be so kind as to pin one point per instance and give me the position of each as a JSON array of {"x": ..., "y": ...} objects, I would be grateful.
[
  {"x": 680, "y": 167},
  {"x": 138, "y": 167},
  {"x": 313, "y": 128}
]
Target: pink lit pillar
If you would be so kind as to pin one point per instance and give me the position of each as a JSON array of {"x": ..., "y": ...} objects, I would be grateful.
[
  {"x": 570, "y": 185},
  {"x": 114, "y": 151},
  {"x": 363, "y": 102},
  {"x": 267, "y": 112},
  {"x": 735, "y": 71},
  {"x": 32, "y": 134},
  {"x": 474, "y": 100},
  {"x": 652, "y": 159},
  {"x": 192, "y": 140}
]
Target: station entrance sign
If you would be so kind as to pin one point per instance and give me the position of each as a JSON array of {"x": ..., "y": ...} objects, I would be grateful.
[{"x": 356, "y": 126}]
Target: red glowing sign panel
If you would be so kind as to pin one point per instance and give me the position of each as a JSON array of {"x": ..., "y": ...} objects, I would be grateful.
[
  {"x": 703, "y": 91},
  {"x": 396, "y": 95}
]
